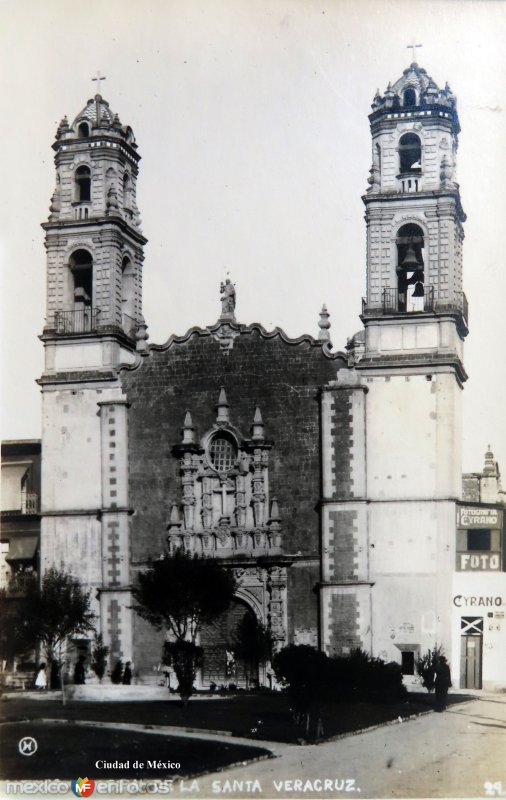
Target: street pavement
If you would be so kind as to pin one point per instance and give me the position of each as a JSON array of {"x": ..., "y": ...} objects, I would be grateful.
[{"x": 458, "y": 753}]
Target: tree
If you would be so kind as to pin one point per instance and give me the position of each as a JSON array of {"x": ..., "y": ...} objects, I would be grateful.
[
  {"x": 253, "y": 644},
  {"x": 426, "y": 666},
  {"x": 56, "y": 610},
  {"x": 180, "y": 593},
  {"x": 304, "y": 670},
  {"x": 99, "y": 656}
]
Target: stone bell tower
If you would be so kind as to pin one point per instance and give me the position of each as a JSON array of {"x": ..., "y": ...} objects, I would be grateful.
[
  {"x": 94, "y": 326},
  {"x": 392, "y": 422}
]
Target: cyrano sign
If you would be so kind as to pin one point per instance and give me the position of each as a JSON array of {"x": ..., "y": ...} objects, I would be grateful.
[{"x": 474, "y": 517}]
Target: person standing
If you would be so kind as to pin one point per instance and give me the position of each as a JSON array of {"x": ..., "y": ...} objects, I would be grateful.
[
  {"x": 41, "y": 678},
  {"x": 127, "y": 674},
  {"x": 79, "y": 671},
  {"x": 442, "y": 682}
]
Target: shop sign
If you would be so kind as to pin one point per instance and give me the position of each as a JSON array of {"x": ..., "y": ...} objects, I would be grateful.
[
  {"x": 474, "y": 517},
  {"x": 464, "y": 601},
  {"x": 478, "y": 562}
]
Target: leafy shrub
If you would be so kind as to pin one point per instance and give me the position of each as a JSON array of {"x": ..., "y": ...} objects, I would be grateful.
[
  {"x": 360, "y": 676},
  {"x": 99, "y": 657}
]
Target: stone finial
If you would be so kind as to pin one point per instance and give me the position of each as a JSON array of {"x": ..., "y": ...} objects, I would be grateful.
[
  {"x": 116, "y": 123},
  {"x": 142, "y": 336},
  {"x": 188, "y": 430},
  {"x": 222, "y": 408},
  {"x": 55, "y": 206},
  {"x": 377, "y": 100},
  {"x": 257, "y": 429},
  {"x": 63, "y": 127},
  {"x": 324, "y": 325},
  {"x": 227, "y": 292},
  {"x": 174, "y": 515},
  {"x": 446, "y": 172},
  {"x": 275, "y": 510},
  {"x": 275, "y": 524},
  {"x": 112, "y": 205},
  {"x": 490, "y": 464}
]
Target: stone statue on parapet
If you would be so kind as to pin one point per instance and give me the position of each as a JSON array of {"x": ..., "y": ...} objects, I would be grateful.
[{"x": 227, "y": 291}]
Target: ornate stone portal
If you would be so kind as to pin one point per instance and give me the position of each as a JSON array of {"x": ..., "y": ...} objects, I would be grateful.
[
  {"x": 225, "y": 507},
  {"x": 225, "y": 511}
]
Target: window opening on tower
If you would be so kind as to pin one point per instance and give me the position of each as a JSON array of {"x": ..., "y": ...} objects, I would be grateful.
[
  {"x": 83, "y": 184},
  {"x": 409, "y": 97},
  {"x": 410, "y": 153}
]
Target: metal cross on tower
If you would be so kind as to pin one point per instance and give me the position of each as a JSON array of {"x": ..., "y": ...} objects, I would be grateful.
[
  {"x": 99, "y": 78},
  {"x": 413, "y": 48}
]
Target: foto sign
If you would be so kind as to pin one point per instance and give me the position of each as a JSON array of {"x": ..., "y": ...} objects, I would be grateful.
[{"x": 478, "y": 562}]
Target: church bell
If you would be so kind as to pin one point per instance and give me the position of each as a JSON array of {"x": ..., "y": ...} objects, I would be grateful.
[
  {"x": 410, "y": 262},
  {"x": 418, "y": 290}
]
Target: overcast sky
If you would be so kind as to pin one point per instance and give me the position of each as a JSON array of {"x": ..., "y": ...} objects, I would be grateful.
[{"x": 251, "y": 119}]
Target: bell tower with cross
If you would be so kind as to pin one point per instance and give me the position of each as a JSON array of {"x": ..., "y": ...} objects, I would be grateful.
[
  {"x": 415, "y": 318},
  {"x": 389, "y": 529},
  {"x": 94, "y": 327}
]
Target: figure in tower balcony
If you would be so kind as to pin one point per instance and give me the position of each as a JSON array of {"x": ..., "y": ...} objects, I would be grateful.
[{"x": 227, "y": 290}]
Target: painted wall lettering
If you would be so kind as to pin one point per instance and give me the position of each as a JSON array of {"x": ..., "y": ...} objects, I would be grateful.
[{"x": 461, "y": 600}]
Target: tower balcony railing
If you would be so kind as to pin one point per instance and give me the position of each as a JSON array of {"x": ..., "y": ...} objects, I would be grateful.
[
  {"x": 29, "y": 503},
  {"x": 410, "y": 182},
  {"x": 393, "y": 301},
  {"x": 83, "y": 320}
]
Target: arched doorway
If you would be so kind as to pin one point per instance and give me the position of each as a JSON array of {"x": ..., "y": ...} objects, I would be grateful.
[{"x": 218, "y": 639}]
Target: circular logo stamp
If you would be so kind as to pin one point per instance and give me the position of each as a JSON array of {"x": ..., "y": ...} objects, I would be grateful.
[{"x": 27, "y": 746}]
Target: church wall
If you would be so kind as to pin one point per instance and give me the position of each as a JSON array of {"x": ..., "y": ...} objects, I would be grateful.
[
  {"x": 281, "y": 378},
  {"x": 412, "y": 555},
  {"x": 303, "y": 620},
  {"x": 71, "y": 452},
  {"x": 402, "y": 462},
  {"x": 73, "y": 542},
  {"x": 148, "y": 643}
]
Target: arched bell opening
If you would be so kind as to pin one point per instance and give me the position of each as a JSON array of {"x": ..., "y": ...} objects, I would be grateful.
[
  {"x": 410, "y": 268},
  {"x": 410, "y": 154},
  {"x": 80, "y": 318},
  {"x": 225, "y": 661},
  {"x": 83, "y": 184}
]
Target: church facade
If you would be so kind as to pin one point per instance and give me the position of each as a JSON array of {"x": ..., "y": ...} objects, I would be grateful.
[{"x": 329, "y": 482}]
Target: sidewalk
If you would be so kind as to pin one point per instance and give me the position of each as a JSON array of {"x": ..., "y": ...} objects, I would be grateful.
[{"x": 453, "y": 754}]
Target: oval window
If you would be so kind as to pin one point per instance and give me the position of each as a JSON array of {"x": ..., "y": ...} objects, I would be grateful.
[{"x": 222, "y": 453}]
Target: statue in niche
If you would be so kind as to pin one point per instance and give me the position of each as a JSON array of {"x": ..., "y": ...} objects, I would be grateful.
[{"x": 227, "y": 290}]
